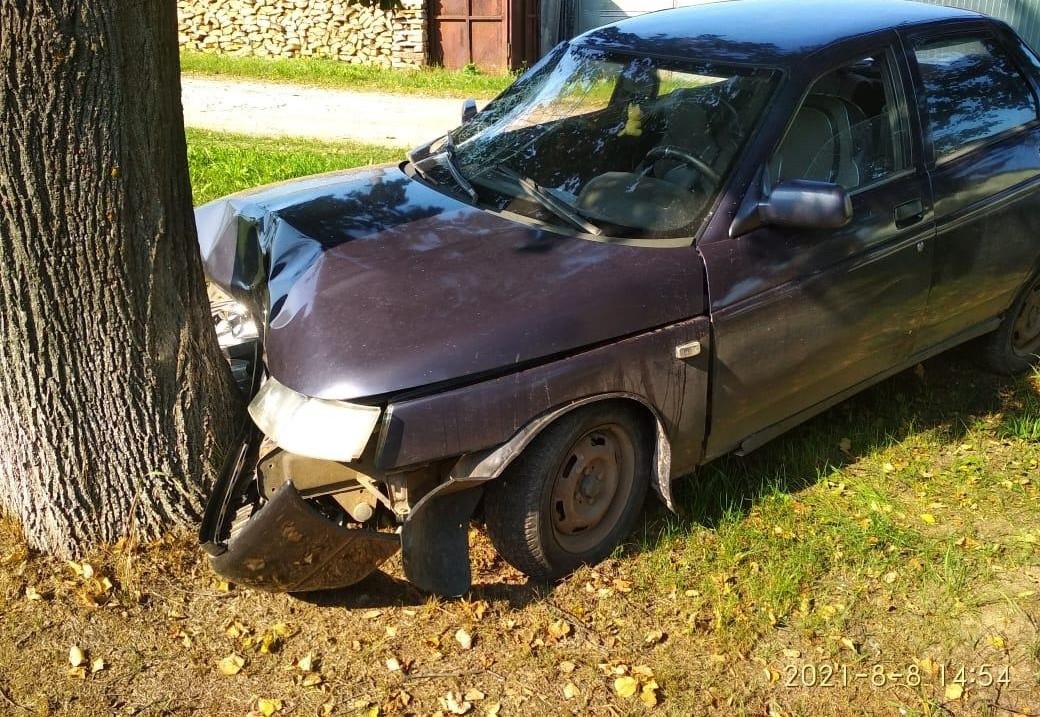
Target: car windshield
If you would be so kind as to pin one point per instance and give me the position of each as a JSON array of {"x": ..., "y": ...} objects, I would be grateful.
[{"x": 606, "y": 143}]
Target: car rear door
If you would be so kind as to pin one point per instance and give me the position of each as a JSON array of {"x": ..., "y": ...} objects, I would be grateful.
[
  {"x": 800, "y": 317},
  {"x": 978, "y": 102}
]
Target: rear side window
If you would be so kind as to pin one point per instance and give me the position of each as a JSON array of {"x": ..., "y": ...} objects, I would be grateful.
[{"x": 973, "y": 90}]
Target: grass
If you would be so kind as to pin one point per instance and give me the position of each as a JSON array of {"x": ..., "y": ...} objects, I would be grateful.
[
  {"x": 222, "y": 163},
  {"x": 896, "y": 534},
  {"x": 323, "y": 72}
]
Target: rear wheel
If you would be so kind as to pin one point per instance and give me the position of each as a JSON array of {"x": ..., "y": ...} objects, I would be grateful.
[
  {"x": 574, "y": 493},
  {"x": 1015, "y": 346}
]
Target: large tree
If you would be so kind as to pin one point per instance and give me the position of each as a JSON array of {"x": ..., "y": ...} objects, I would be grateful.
[{"x": 116, "y": 406}]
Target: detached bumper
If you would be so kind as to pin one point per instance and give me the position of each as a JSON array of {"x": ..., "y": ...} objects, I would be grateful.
[{"x": 286, "y": 546}]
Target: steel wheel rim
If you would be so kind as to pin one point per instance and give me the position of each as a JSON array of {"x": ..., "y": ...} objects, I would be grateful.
[
  {"x": 591, "y": 487},
  {"x": 1025, "y": 332}
]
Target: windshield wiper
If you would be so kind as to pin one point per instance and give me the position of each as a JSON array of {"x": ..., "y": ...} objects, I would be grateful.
[
  {"x": 550, "y": 201},
  {"x": 446, "y": 157}
]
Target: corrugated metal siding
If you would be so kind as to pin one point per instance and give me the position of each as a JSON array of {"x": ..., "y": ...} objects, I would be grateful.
[{"x": 1023, "y": 15}]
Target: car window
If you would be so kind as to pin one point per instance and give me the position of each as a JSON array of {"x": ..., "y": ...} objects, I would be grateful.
[
  {"x": 973, "y": 91},
  {"x": 847, "y": 131},
  {"x": 635, "y": 147}
]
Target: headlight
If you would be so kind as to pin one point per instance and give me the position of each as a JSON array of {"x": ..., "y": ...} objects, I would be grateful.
[{"x": 314, "y": 427}]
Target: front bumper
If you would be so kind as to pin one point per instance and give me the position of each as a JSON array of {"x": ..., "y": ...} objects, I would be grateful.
[{"x": 285, "y": 546}]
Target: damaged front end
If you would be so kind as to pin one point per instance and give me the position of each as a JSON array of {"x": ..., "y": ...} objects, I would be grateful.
[{"x": 280, "y": 520}]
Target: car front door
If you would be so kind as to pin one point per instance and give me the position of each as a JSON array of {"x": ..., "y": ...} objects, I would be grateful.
[
  {"x": 802, "y": 316},
  {"x": 980, "y": 113}
]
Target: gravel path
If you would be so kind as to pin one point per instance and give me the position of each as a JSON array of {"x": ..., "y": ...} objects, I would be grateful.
[{"x": 289, "y": 110}]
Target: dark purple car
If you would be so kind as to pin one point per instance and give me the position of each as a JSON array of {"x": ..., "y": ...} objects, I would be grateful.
[{"x": 675, "y": 237}]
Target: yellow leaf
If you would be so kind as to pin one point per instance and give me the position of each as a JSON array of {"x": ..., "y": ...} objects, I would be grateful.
[
  {"x": 268, "y": 707},
  {"x": 306, "y": 663},
  {"x": 648, "y": 695},
  {"x": 76, "y": 656},
  {"x": 231, "y": 665},
  {"x": 888, "y": 467},
  {"x": 474, "y": 695},
  {"x": 954, "y": 691},
  {"x": 493, "y": 709},
  {"x": 567, "y": 666},
  {"x": 570, "y": 691},
  {"x": 32, "y": 594},
  {"x": 79, "y": 672},
  {"x": 626, "y": 686},
  {"x": 559, "y": 629},
  {"x": 996, "y": 642},
  {"x": 890, "y": 577},
  {"x": 311, "y": 679},
  {"x": 928, "y": 518},
  {"x": 393, "y": 664},
  {"x": 97, "y": 665}
]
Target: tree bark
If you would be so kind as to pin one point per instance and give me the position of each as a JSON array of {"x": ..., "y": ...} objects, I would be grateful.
[{"x": 116, "y": 405}]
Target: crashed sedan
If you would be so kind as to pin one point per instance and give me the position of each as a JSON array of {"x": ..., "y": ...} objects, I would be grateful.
[{"x": 673, "y": 238}]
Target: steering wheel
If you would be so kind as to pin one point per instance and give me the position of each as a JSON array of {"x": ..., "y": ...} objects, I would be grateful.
[{"x": 670, "y": 151}]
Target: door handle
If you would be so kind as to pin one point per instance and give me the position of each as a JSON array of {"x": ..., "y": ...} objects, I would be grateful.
[{"x": 909, "y": 213}]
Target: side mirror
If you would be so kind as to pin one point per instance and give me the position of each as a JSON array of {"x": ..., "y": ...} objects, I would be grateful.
[
  {"x": 469, "y": 110},
  {"x": 795, "y": 203}
]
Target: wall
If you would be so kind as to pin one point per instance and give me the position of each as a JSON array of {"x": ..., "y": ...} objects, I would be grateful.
[{"x": 388, "y": 34}]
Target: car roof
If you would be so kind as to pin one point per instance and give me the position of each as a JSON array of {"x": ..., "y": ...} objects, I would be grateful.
[{"x": 767, "y": 32}]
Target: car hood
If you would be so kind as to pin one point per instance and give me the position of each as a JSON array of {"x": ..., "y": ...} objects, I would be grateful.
[{"x": 374, "y": 283}]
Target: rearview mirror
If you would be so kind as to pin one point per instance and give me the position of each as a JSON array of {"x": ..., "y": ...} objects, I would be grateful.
[
  {"x": 469, "y": 110},
  {"x": 795, "y": 203}
]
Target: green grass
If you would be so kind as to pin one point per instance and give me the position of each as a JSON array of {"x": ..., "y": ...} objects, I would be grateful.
[
  {"x": 323, "y": 72},
  {"x": 222, "y": 163}
]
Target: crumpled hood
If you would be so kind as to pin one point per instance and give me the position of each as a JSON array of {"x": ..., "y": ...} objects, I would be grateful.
[{"x": 374, "y": 283}]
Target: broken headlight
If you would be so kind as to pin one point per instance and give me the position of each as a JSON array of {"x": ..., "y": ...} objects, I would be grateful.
[{"x": 314, "y": 427}]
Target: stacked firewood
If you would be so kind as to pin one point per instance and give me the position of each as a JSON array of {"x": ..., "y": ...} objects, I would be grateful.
[{"x": 357, "y": 31}]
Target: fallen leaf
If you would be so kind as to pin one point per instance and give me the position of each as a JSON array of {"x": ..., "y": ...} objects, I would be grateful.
[
  {"x": 996, "y": 642},
  {"x": 928, "y": 518},
  {"x": 464, "y": 639},
  {"x": 97, "y": 665},
  {"x": 268, "y": 707},
  {"x": 888, "y": 467},
  {"x": 32, "y": 594},
  {"x": 559, "y": 629},
  {"x": 567, "y": 666},
  {"x": 626, "y": 686},
  {"x": 474, "y": 695},
  {"x": 76, "y": 656},
  {"x": 306, "y": 663},
  {"x": 451, "y": 703},
  {"x": 493, "y": 709},
  {"x": 653, "y": 637},
  {"x": 792, "y": 654},
  {"x": 890, "y": 577},
  {"x": 648, "y": 694},
  {"x": 643, "y": 671},
  {"x": 311, "y": 679},
  {"x": 954, "y": 691},
  {"x": 849, "y": 644},
  {"x": 371, "y": 614},
  {"x": 231, "y": 665},
  {"x": 570, "y": 691},
  {"x": 393, "y": 664}
]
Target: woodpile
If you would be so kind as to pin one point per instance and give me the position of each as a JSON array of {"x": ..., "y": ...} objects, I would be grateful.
[{"x": 356, "y": 31}]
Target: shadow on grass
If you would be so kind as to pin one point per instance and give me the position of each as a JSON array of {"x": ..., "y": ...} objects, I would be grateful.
[{"x": 946, "y": 398}]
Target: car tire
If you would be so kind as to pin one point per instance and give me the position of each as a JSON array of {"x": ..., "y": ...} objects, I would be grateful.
[
  {"x": 1015, "y": 346},
  {"x": 574, "y": 493}
]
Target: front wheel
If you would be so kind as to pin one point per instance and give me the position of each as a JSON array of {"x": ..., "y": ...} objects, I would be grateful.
[
  {"x": 574, "y": 493},
  {"x": 1015, "y": 346}
]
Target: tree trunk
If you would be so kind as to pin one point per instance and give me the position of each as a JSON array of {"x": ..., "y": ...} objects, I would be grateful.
[{"x": 116, "y": 406}]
